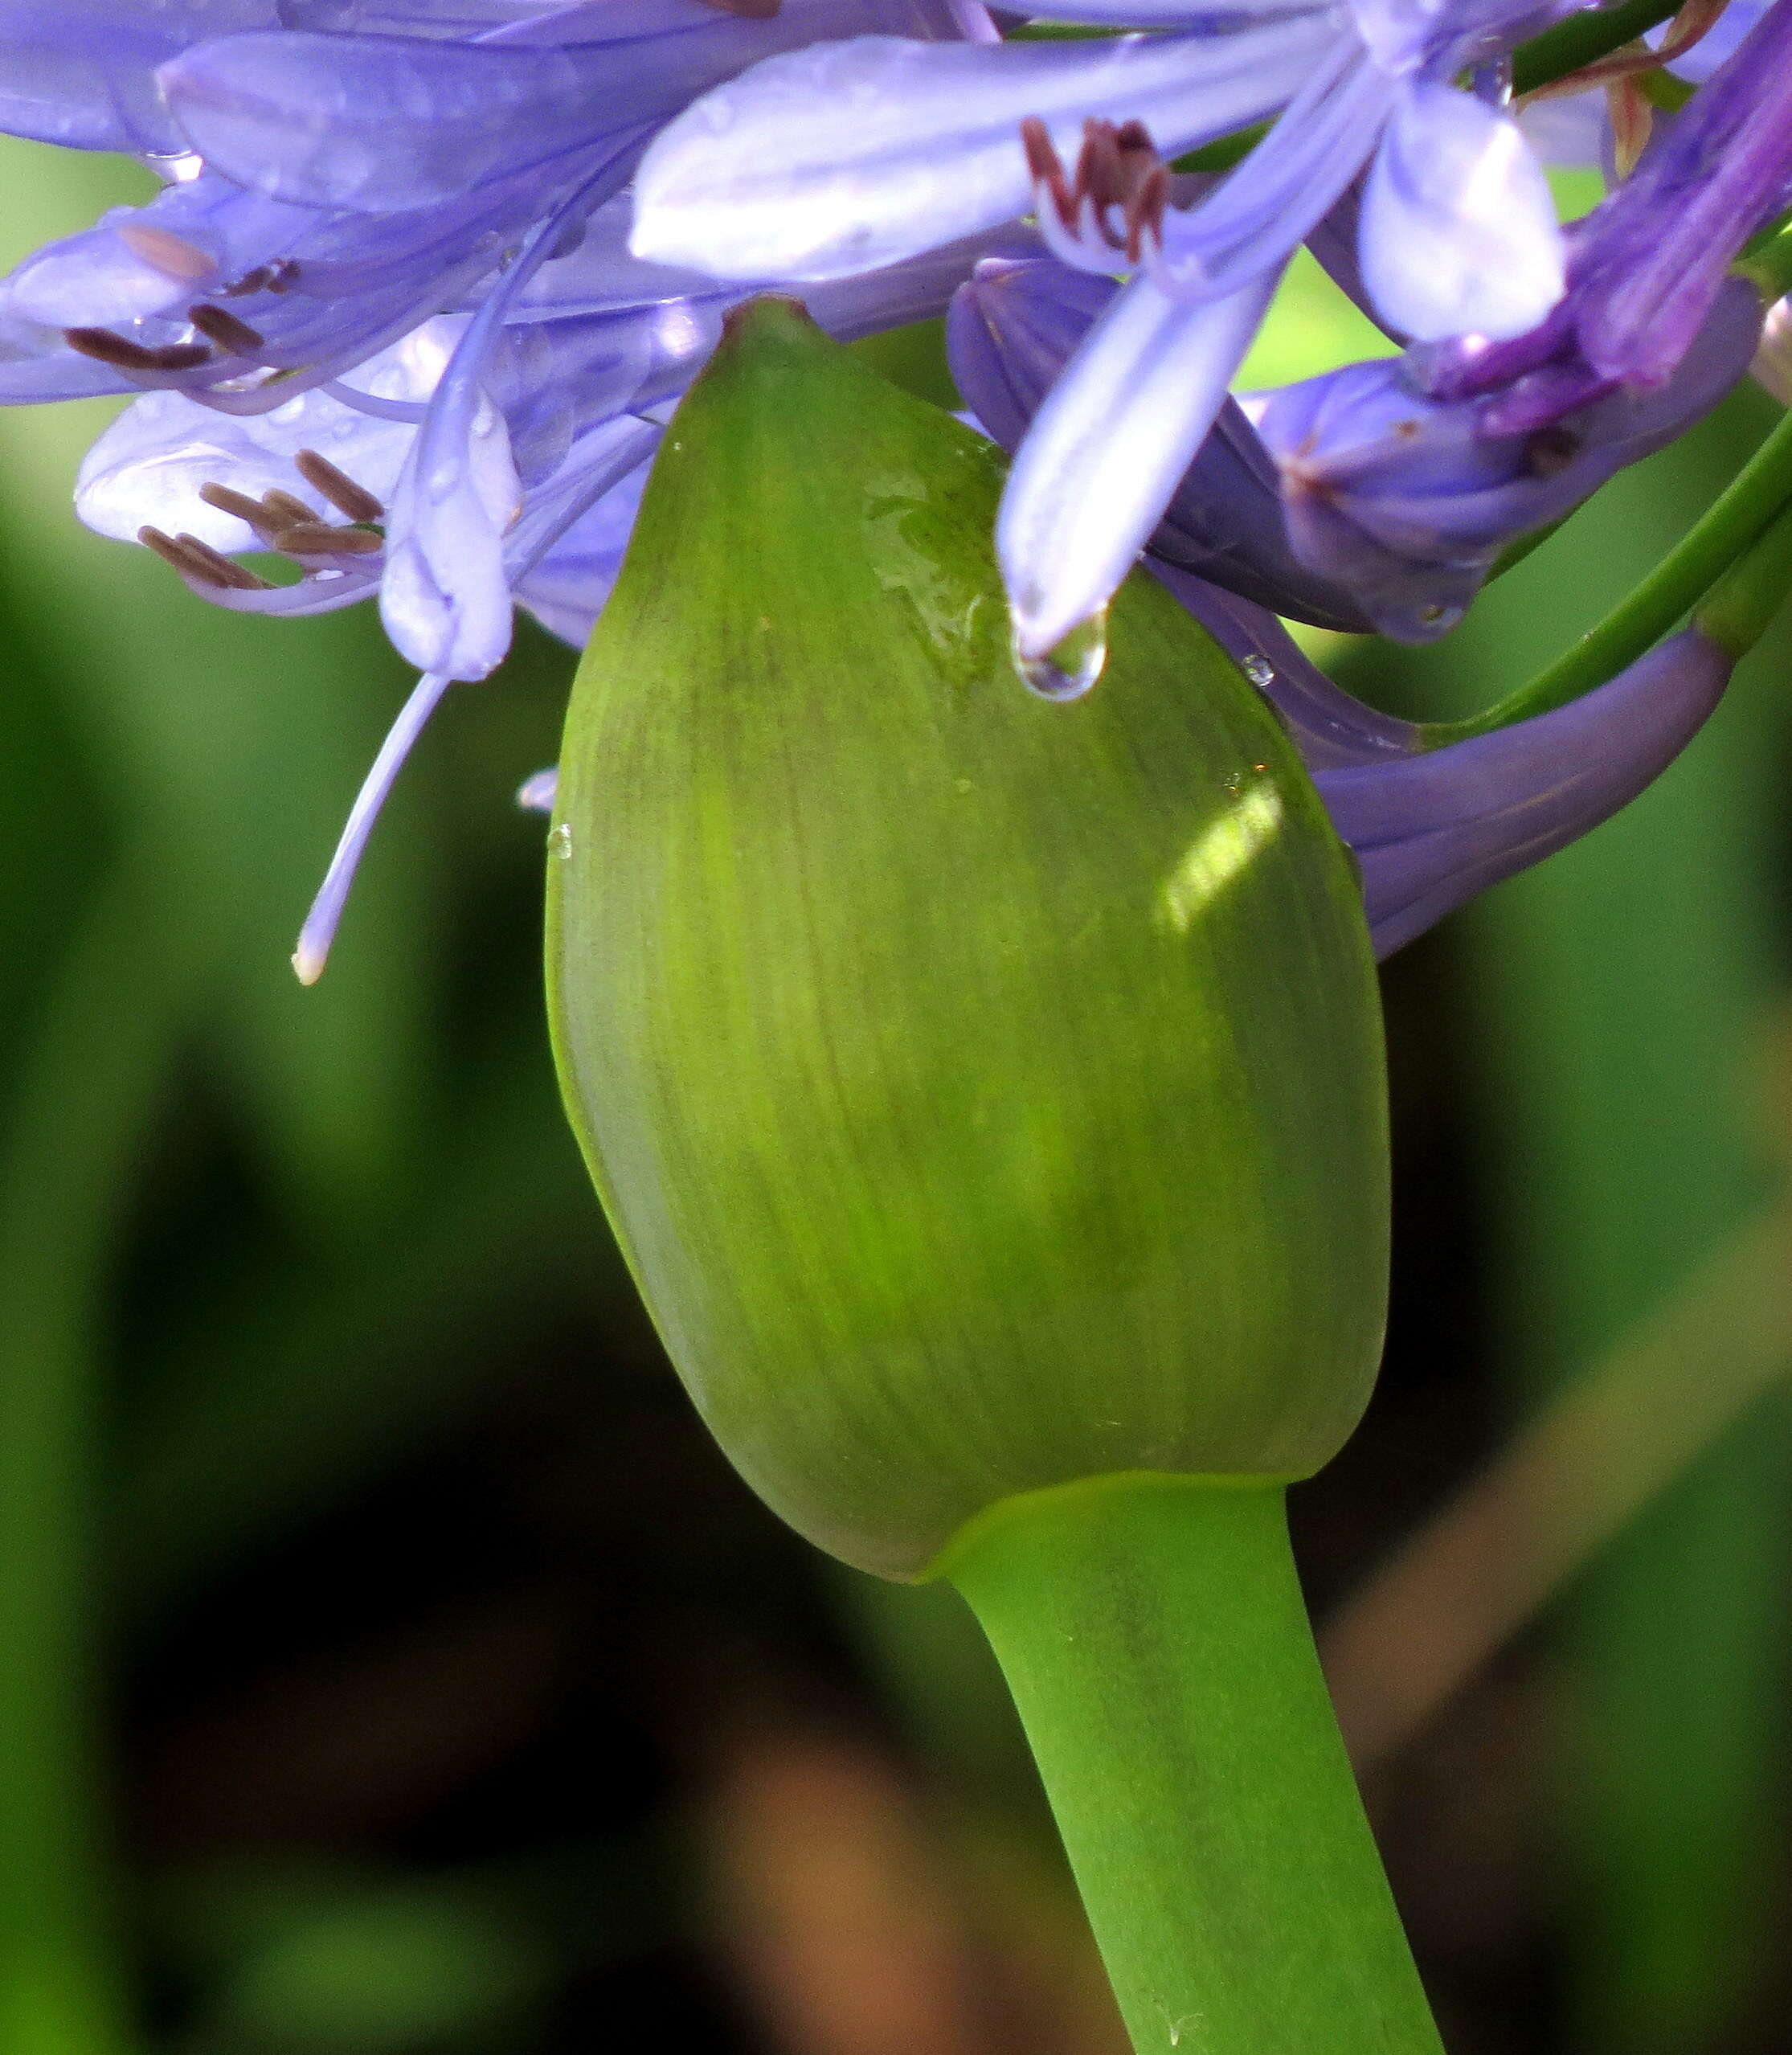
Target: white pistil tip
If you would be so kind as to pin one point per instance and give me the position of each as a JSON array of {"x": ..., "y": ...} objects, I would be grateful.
[{"x": 307, "y": 964}]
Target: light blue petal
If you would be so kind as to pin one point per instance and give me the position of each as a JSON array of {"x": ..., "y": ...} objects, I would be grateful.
[
  {"x": 147, "y": 468},
  {"x": 81, "y": 72},
  {"x": 1108, "y": 448},
  {"x": 446, "y": 597},
  {"x": 1285, "y": 187},
  {"x": 1459, "y": 235},
  {"x": 853, "y": 155},
  {"x": 375, "y": 123}
]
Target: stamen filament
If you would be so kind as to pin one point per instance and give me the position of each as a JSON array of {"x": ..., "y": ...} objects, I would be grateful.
[{"x": 319, "y": 930}]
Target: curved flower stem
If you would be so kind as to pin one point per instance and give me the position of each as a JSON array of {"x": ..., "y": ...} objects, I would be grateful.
[
  {"x": 1152, "y": 1632},
  {"x": 1749, "y": 506},
  {"x": 1582, "y": 39},
  {"x": 84, "y": 1092}
]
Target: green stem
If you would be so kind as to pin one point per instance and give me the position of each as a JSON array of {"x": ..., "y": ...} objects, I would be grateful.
[
  {"x": 1152, "y": 1632},
  {"x": 83, "y": 1097},
  {"x": 1729, "y": 529}
]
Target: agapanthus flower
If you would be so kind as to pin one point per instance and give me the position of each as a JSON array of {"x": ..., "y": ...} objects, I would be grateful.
[
  {"x": 1407, "y": 502},
  {"x": 382, "y": 316},
  {"x": 1645, "y": 268},
  {"x": 569, "y": 411},
  {"x": 866, "y": 151},
  {"x": 1011, "y": 329}
]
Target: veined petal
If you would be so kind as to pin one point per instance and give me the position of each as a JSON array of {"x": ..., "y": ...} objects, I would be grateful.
[
  {"x": 1433, "y": 831},
  {"x": 373, "y": 122},
  {"x": 847, "y": 155},
  {"x": 1459, "y": 231},
  {"x": 1010, "y": 331},
  {"x": 1109, "y": 447},
  {"x": 82, "y": 72},
  {"x": 386, "y": 123},
  {"x": 158, "y": 259},
  {"x": 1286, "y": 186},
  {"x": 567, "y": 587},
  {"x": 446, "y": 598},
  {"x": 1331, "y": 730},
  {"x": 148, "y": 467}
]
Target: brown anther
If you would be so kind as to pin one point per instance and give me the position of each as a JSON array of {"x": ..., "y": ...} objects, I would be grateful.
[
  {"x": 194, "y": 558},
  {"x": 228, "y": 501},
  {"x": 171, "y": 254},
  {"x": 283, "y": 275},
  {"x": 1118, "y": 171},
  {"x": 751, "y": 10},
  {"x": 226, "y": 330},
  {"x": 338, "y": 487},
  {"x": 124, "y": 355},
  {"x": 284, "y": 508},
  {"x": 311, "y": 538},
  {"x": 250, "y": 281}
]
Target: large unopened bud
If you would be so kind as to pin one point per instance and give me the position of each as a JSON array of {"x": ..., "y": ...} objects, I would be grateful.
[{"x": 987, "y": 1091}]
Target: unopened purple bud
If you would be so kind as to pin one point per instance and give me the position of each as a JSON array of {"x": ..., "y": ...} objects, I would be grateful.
[
  {"x": 1431, "y": 831},
  {"x": 1408, "y": 500},
  {"x": 1650, "y": 262}
]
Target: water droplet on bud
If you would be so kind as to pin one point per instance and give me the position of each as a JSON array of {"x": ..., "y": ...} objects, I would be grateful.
[
  {"x": 1067, "y": 671},
  {"x": 1259, "y": 670},
  {"x": 559, "y": 841}
]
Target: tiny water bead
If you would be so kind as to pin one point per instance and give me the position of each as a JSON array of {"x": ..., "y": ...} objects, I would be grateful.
[
  {"x": 1259, "y": 670},
  {"x": 1067, "y": 671},
  {"x": 559, "y": 841}
]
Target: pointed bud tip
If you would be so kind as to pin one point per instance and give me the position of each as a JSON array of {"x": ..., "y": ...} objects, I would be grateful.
[{"x": 768, "y": 314}]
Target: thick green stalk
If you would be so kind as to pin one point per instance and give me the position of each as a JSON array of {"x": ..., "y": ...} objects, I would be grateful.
[
  {"x": 79, "y": 1106},
  {"x": 1152, "y": 1632}
]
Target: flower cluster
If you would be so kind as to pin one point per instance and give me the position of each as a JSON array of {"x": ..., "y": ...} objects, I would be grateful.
[{"x": 426, "y": 277}]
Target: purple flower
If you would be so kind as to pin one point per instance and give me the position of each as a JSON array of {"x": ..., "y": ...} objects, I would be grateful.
[
  {"x": 1012, "y": 327},
  {"x": 382, "y": 317},
  {"x": 1646, "y": 267},
  {"x": 1407, "y": 501},
  {"x": 840, "y": 155},
  {"x": 543, "y": 476},
  {"x": 346, "y": 178},
  {"x": 1432, "y": 827}
]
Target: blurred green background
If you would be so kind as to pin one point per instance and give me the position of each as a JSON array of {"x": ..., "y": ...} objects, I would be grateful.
[{"x": 387, "y": 1663}]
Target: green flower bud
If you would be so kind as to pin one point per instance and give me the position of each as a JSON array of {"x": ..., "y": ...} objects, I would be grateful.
[{"x": 986, "y": 1093}]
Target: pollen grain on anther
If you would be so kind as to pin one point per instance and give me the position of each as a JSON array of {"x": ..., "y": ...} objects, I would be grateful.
[
  {"x": 338, "y": 487},
  {"x": 194, "y": 558},
  {"x": 218, "y": 326},
  {"x": 102, "y": 344}
]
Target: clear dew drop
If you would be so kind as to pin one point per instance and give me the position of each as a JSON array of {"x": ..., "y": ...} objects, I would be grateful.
[
  {"x": 559, "y": 841},
  {"x": 1069, "y": 670},
  {"x": 1259, "y": 670}
]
